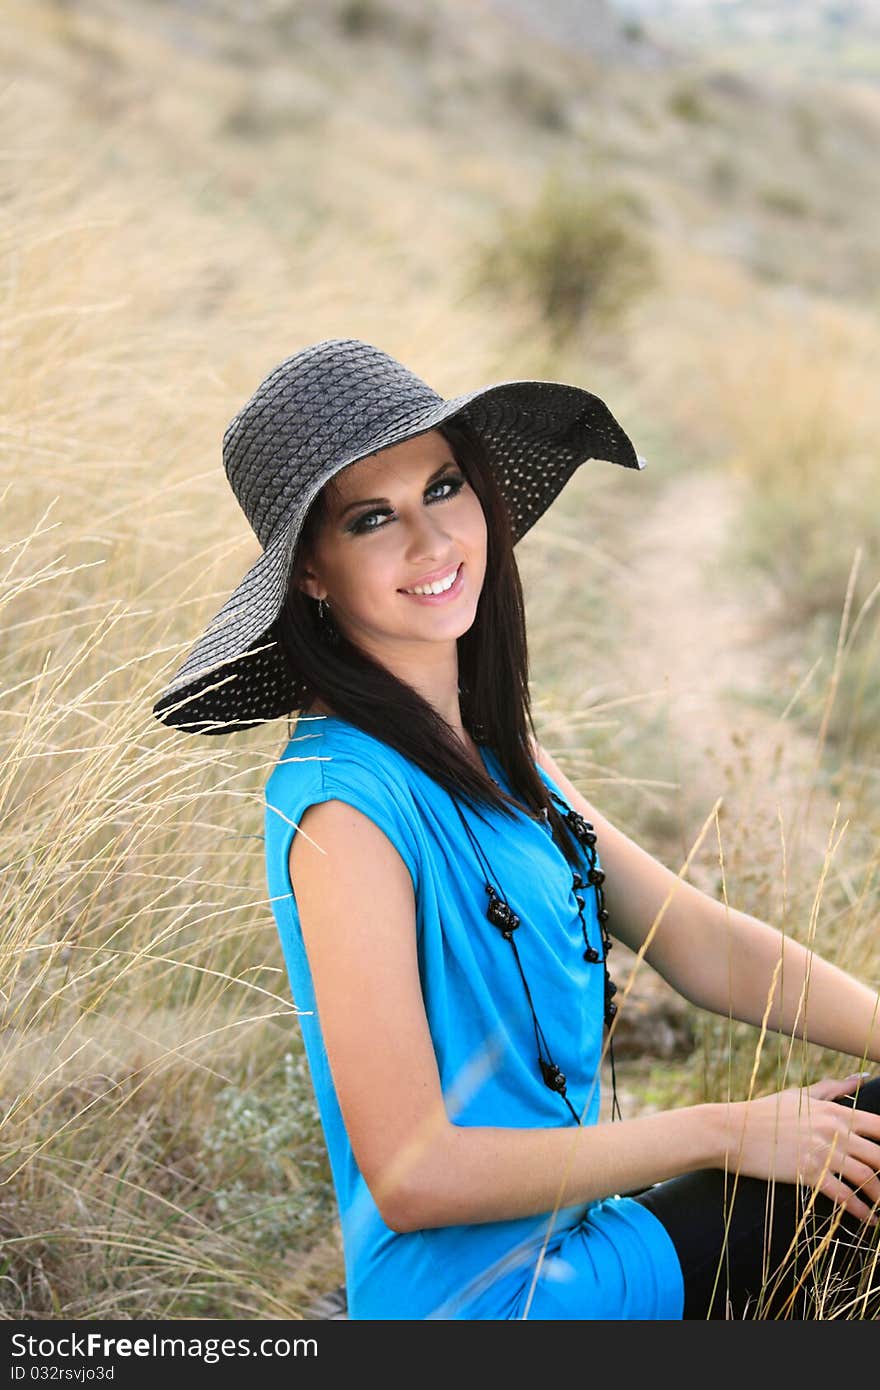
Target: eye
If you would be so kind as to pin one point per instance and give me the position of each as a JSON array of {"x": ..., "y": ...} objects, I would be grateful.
[
  {"x": 454, "y": 482},
  {"x": 358, "y": 527}
]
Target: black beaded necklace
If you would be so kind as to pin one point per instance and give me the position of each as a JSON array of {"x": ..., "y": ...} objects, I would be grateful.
[{"x": 501, "y": 915}]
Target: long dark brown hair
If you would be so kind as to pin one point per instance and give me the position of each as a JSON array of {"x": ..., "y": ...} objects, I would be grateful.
[{"x": 492, "y": 664}]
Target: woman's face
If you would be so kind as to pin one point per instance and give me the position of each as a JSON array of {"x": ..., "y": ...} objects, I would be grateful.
[{"x": 403, "y": 517}]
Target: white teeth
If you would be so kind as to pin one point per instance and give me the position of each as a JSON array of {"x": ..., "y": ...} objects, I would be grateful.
[{"x": 438, "y": 587}]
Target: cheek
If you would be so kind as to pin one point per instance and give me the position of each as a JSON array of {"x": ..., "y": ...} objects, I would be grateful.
[
  {"x": 477, "y": 527},
  {"x": 372, "y": 576}
]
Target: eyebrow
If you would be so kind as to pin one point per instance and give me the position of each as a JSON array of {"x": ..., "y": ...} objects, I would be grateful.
[{"x": 379, "y": 501}]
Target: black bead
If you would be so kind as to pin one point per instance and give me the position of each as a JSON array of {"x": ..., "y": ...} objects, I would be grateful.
[
  {"x": 553, "y": 1077},
  {"x": 500, "y": 915}
]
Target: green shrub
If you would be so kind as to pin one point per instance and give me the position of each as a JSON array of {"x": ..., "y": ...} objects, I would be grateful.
[
  {"x": 723, "y": 173},
  {"x": 785, "y": 200},
  {"x": 576, "y": 252},
  {"x": 808, "y": 126},
  {"x": 357, "y": 17},
  {"x": 534, "y": 98},
  {"x": 688, "y": 103},
  {"x": 801, "y": 533},
  {"x": 634, "y": 31},
  {"x": 267, "y": 1163},
  {"x": 853, "y": 718},
  {"x": 803, "y": 537},
  {"x": 360, "y": 19}
]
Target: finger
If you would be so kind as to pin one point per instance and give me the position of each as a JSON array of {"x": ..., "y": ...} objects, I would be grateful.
[
  {"x": 862, "y": 1178},
  {"x": 831, "y": 1087},
  {"x": 855, "y": 1156},
  {"x": 862, "y": 1122},
  {"x": 865, "y": 1180},
  {"x": 856, "y": 1080},
  {"x": 848, "y": 1084},
  {"x": 841, "y": 1195},
  {"x": 866, "y": 1145}
]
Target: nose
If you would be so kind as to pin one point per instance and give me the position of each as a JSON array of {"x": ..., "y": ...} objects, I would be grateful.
[{"x": 428, "y": 539}]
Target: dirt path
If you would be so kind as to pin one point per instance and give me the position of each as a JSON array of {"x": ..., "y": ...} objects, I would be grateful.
[
  {"x": 699, "y": 640},
  {"x": 700, "y": 637}
]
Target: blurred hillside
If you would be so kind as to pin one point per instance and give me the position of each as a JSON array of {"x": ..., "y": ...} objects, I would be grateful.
[
  {"x": 811, "y": 38},
  {"x": 592, "y": 26},
  {"x": 378, "y": 117},
  {"x": 194, "y": 189}
]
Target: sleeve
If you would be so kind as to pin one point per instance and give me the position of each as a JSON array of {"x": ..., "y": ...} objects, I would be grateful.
[
  {"x": 376, "y": 792},
  {"x": 381, "y": 797}
]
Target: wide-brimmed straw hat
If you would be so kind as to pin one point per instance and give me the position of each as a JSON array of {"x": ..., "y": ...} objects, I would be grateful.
[{"x": 318, "y": 411}]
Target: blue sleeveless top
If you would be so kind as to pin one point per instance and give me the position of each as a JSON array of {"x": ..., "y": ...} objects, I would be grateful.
[{"x": 610, "y": 1259}]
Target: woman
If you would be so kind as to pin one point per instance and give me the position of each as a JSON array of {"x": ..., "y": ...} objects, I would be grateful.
[{"x": 445, "y": 915}]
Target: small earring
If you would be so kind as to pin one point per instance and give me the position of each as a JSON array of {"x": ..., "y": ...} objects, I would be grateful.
[{"x": 328, "y": 630}]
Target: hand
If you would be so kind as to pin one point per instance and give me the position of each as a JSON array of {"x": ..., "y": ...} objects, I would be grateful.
[{"x": 802, "y": 1136}]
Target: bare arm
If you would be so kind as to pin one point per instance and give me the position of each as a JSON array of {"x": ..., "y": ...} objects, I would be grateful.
[
  {"x": 357, "y": 912},
  {"x": 722, "y": 959}
]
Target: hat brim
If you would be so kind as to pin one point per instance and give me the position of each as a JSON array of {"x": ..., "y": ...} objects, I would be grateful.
[{"x": 536, "y": 435}]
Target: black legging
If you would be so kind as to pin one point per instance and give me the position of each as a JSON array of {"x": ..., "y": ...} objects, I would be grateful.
[{"x": 734, "y": 1237}]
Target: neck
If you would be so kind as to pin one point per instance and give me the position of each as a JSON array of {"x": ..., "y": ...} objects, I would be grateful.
[{"x": 319, "y": 708}]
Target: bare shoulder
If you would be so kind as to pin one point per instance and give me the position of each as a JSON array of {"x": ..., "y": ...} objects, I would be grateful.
[
  {"x": 332, "y": 837},
  {"x": 539, "y": 754},
  {"x": 646, "y": 901},
  {"x": 551, "y": 767}
]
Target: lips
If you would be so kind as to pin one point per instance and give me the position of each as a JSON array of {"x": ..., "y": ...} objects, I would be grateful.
[
  {"x": 445, "y": 596},
  {"x": 430, "y": 579}
]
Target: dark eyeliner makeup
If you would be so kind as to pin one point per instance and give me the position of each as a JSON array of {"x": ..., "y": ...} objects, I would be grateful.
[{"x": 456, "y": 479}]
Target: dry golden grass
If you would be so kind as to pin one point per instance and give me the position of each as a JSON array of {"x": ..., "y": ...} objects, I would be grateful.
[{"x": 159, "y": 1149}]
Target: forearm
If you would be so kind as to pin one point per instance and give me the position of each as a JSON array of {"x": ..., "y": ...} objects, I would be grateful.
[
  {"x": 808, "y": 997},
  {"x": 477, "y": 1174}
]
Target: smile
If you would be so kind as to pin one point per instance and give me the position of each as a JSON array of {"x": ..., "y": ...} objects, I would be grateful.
[{"x": 441, "y": 591}]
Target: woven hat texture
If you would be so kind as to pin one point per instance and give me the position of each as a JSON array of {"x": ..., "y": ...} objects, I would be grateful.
[{"x": 318, "y": 411}]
